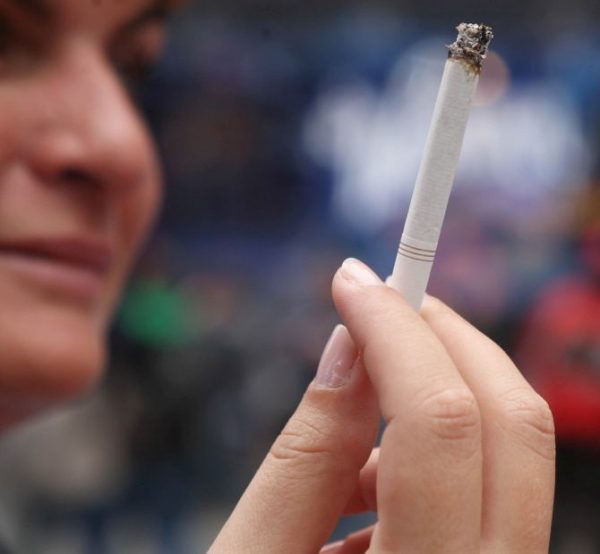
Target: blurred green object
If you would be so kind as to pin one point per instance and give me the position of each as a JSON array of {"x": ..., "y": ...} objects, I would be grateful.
[{"x": 156, "y": 314}]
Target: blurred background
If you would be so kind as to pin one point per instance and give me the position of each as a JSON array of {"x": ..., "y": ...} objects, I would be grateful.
[{"x": 291, "y": 133}]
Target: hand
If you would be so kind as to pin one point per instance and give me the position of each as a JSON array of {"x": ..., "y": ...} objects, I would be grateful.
[{"x": 466, "y": 463}]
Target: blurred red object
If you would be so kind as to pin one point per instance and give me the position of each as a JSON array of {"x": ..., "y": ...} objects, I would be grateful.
[{"x": 560, "y": 348}]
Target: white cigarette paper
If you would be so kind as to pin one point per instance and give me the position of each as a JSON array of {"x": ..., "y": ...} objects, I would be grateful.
[{"x": 436, "y": 175}]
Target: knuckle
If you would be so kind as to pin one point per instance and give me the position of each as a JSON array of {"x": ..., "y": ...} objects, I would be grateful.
[
  {"x": 528, "y": 416},
  {"x": 303, "y": 445},
  {"x": 452, "y": 414}
]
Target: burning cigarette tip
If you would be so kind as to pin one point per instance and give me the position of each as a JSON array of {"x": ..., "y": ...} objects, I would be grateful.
[{"x": 472, "y": 44}]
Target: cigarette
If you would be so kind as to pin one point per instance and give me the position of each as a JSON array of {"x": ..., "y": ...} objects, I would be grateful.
[{"x": 436, "y": 175}]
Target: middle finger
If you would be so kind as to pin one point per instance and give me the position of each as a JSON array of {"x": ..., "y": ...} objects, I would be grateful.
[{"x": 429, "y": 477}]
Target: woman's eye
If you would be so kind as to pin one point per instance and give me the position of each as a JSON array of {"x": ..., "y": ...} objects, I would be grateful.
[
  {"x": 8, "y": 39},
  {"x": 135, "y": 55},
  {"x": 17, "y": 51}
]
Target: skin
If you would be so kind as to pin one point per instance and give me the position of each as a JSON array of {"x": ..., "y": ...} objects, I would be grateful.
[
  {"x": 466, "y": 463},
  {"x": 75, "y": 160}
]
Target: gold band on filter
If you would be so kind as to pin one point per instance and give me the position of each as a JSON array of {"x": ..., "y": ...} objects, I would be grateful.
[{"x": 414, "y": 253}]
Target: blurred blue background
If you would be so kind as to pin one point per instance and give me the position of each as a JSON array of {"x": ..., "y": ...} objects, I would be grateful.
[{"x": 291, "y": 137}]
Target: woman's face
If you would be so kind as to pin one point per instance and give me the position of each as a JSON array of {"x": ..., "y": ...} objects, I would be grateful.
[{"x": 79, "y": 187}]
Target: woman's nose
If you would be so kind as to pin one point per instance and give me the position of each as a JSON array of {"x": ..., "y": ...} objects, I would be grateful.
[{"x": 85, "y": 128}]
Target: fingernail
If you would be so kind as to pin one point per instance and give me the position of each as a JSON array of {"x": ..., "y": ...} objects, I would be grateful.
[
  {"x": 338, "y": 358},
  {"x": 333, "y": 547},
  {"x": 359, "y": 273}
]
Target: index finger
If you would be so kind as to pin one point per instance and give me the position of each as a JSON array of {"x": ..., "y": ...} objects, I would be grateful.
[{"x": 429, "y": 480}]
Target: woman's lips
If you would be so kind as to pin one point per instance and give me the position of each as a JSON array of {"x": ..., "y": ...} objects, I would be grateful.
[{"x": 73, "y": 267}]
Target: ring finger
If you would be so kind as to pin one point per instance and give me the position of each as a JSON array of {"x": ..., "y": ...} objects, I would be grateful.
[{"x": 518, "y": 437}]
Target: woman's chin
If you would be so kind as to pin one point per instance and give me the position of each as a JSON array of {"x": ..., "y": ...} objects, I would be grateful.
[{"x": 46, "y": 360}]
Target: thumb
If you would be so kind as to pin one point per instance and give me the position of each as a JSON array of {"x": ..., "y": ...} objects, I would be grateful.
[{"x": 298, "y": 494}]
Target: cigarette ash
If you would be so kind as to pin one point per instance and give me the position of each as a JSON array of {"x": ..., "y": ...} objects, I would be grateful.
[{"x": 472, "y": 44}]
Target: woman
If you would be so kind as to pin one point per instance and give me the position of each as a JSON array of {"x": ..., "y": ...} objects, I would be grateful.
[{"x": 467, "y": 458}]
